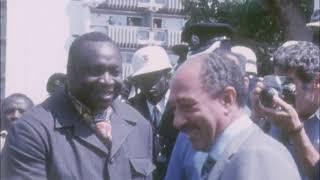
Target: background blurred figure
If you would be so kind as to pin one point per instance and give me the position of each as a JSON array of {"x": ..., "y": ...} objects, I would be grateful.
[
  {"x": 181, "y": 50},
  {"x": 56, "y": 81},
  {"x": 151, "y": 73},
  {"x": 204, "y": 37},
  {"x": 296, "y": 125},
  {"x": 250, "y": 68},
  {"x": 314, "y": 23},
  {"x": 126, "y": 89},
  {"x": 12, "y": 108}
]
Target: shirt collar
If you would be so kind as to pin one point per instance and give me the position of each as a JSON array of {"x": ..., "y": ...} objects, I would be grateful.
[
  {"x": 161, "y": 104},
  {"x": 87, "y": 114},
  {"x": 228, "y": 135},
  {"x": 316, "y": 114}
]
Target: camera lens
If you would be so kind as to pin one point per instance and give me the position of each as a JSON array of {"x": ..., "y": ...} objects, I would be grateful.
[
  {"x": 289, "y": 93},
  {"x": 266, "y": 96}
]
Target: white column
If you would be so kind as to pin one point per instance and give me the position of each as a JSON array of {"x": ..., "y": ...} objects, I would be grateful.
[{"x": 316, "y": 4}]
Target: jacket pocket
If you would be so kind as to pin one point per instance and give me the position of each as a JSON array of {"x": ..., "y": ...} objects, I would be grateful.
[{"x": 141, "y": 167}]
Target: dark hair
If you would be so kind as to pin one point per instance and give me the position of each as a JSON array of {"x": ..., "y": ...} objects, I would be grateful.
[
  {"x": 221, "y": 69},
  {"x": 302, "y": 57},
  {"x": 51, "y": 83},
  {"x": 16, "y": 96},
  {"x": 77, "y": 45}
]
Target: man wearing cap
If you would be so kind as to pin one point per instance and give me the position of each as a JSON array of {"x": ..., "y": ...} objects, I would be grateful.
[
  {"x": 250, "y": 68},
  {"x": 151, "y": 71},
  {"x": 204, "y": 37}
]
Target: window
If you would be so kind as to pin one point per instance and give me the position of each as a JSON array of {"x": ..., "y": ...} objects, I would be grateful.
[
  {"x": 159, "y": 36},
  {"x": 134, "y": 21},
  {"x": 160, "y": 1},
  {"x": 157, "y": 23},
  {"x": 143, "y": 35}
]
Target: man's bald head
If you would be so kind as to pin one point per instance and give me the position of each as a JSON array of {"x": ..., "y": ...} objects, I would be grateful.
[
  {"x": 215, "y": 71},
  {"x": 206, "y": 95}
]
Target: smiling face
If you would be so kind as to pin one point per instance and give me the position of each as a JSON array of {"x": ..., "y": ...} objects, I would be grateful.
[
  {"x": 196, "y": 113},
  {"x": 94, "y": 77}
]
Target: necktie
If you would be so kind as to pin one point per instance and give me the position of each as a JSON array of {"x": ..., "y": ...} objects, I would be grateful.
[
  {"x": 103, "y": 130},
  {"x": 156, "y": 116},
  {"x": 206, "y": 168}
]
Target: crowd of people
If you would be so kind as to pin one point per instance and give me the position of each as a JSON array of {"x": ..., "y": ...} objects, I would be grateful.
[{"x": 209, "y": 117}]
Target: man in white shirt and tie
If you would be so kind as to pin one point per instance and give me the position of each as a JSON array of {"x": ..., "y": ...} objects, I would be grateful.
[{"x": 151, "y": 73}]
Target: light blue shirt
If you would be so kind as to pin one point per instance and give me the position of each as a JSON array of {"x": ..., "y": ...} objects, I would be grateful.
[{"x": 185, "y": 162}]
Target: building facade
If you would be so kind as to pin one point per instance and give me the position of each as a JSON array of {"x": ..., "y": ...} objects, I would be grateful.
[
  {"x": 3, "y": 22},
  {"x": 37, "y": 39},
  {"x": 136, "y": 23}
]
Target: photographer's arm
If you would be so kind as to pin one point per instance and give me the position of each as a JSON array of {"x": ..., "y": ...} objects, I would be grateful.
[
  {"x": 308, "y": 155},
  {"x": 287, "y": 118}
]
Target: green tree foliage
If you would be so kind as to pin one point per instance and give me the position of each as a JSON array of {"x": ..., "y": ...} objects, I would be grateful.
[{"x": 256, "y": 22}]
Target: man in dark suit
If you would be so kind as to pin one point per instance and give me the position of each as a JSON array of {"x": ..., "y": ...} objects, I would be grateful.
[
  {"x": 151, "y": 75},
  {"x": 82, "y": 131},
  {"x": 207, "y": 95}
]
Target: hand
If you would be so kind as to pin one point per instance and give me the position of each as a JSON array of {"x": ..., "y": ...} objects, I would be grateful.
[
  {"x": 256, "y": 113},
  {"x": 284, "y": 115}
]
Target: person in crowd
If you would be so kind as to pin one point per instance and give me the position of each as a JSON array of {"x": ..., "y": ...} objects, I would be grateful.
[
  {"x": 55, "y": 82},
  {"x": 250, "y": 67},
  {"x": 12, "y": 108},
  {"x": 151, "y": 73},
  {"x": 207, "y": 95},
  {"x": 83, "y": 131},
  {"x": 185, "y": 162},
  {"x": 125, "y": 90},
  {"x": 299, "y": 123},
  {"x": 181, "y": 50},
  {"x": 206, "y": 36},
  {"x": 314, "y": 23}
]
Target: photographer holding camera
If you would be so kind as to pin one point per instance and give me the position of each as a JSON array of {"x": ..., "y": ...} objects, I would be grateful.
[{"x": 299, "y": 61}]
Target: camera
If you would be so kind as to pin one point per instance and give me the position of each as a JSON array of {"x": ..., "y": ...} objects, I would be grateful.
[{"x": 277, "y": 86}]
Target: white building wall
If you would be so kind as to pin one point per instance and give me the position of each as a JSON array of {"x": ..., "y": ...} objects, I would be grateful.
[
  {"x": 39, "y": 33},
  {"x": 38, "y": 36}
]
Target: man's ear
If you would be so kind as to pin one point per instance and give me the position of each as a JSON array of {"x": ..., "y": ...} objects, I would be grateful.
[{"x": 229, "y": 96}]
